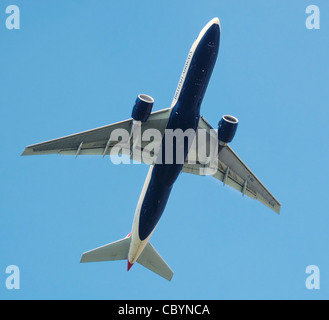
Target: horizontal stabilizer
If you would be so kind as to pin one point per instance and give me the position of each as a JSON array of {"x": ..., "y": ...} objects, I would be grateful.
[
  {"x": 151, "y": 260},
  {"x": 117, "y": 250}
]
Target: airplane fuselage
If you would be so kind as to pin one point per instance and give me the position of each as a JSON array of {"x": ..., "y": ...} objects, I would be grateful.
[{"x": 185, "y": 115}]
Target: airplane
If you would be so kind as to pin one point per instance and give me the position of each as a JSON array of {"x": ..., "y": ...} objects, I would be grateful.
[{"x": 184, "y": 114}]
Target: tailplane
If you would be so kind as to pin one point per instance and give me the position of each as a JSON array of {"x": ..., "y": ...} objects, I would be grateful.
[
  {"x": 151, "y": 260},
  {"x": 118, "y": 250}
]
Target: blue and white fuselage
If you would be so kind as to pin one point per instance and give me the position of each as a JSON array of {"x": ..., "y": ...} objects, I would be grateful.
[{"x": 185, "y": 115}]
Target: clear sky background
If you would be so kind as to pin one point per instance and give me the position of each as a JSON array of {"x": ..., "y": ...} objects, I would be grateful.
[{"x": 76, "y": 65}]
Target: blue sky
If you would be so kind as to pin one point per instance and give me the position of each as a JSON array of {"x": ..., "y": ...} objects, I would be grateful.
[{"x": 77, "y": 65}]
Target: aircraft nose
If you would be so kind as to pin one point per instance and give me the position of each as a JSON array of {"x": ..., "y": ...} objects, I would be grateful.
[
  {"x": 215, "y": 25},
  {"x": 212, "y": 34},
  {"x": 215, "y": 21}
]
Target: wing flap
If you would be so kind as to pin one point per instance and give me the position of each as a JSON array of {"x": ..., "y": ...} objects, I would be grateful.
[
  {"x": 230, "y": 169},
  {"x": 243, "y": 175},
  {"x": 97, "y": 141},
  {"x": 91, "y": 139}
]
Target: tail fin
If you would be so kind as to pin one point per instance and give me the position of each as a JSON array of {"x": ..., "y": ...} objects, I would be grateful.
[{"x": 118, "y": 250}]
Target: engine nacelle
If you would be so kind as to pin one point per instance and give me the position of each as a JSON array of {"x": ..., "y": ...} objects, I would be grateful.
[
  {"x": 226, "y": 129},
  {"x": 142, "y": 108}
]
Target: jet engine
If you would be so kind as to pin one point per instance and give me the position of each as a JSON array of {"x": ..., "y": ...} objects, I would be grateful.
[
  {"x": 142, "y": 108},
  {"x": 226, "y": 129}
]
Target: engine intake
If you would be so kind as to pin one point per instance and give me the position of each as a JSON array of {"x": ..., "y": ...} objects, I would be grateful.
[
  {"x": 142, "y": 108},
  {"x": 226, "y": 129}
]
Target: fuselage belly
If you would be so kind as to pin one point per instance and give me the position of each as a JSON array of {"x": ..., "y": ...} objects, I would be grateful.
[{"x": 185, "y": 115}]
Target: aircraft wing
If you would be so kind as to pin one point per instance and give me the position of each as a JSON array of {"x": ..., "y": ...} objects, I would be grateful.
[
  {"x": 97, "y": 141},
  {"x": 230, "y": 169}
]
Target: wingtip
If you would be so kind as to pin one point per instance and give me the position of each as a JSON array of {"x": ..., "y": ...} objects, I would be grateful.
[
  {"x": 27, "y": 152},
  {"x": 277, "y": 209}
]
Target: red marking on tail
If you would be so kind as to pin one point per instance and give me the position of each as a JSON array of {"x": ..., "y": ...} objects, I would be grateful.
[{"x": 129, "y": 265}]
